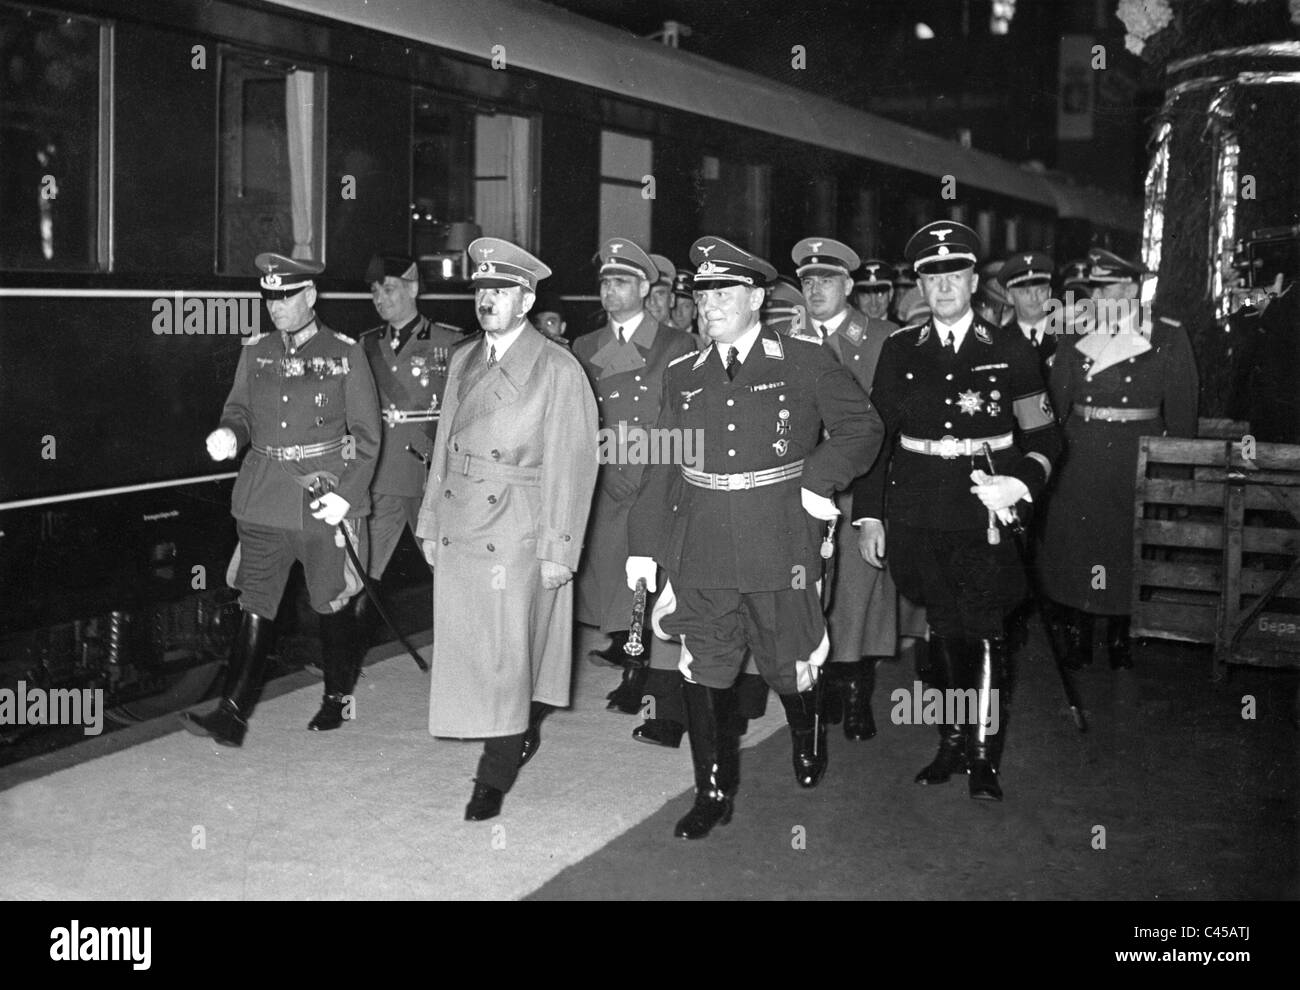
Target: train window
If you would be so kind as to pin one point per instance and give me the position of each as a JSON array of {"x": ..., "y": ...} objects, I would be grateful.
[
  {"x": 1013, "y": 234},
  {"x": 736, "y": 198},
  {"x": 625, "y": 163},
  {"x": 53, "y": 140},
  {"x": 271, "y": 188},
  {"x": 469, "y": 168},
  {"x": 503, "y": 177}
]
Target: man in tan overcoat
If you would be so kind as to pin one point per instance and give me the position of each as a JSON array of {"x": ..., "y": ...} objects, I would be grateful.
[{"x": 510, "y": 484}]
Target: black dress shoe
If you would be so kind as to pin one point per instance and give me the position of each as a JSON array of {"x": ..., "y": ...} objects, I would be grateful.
[
  {"x": 532, "y": 743},
  {"x": 330, "y": 715},
  {"x": 612, "y": 655},
  {"x": 626, "y": 698},
  {"x": 223, "y": 725},
  {"x": 484, "y": 803},
  {"x": 659, "y": 732}
]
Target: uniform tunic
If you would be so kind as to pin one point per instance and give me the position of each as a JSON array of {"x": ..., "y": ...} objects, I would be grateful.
[
  {"x": 1088, "y": 518},
  {"x": 866, "y": 616},
  {"x": 937, "y": 528},
  {"x": 628, "y": 382},
  {"x": 410, "y": 380},
  {"x": 510, "y": 485},
  {"x": 722, "y": 547},
  {"x": 312, "y": 389}
]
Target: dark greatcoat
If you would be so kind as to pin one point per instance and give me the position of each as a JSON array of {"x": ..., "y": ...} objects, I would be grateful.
[
  {"x": 514, "y": 466},
  {"x": 1089, "y": 511},
  {"x": 628, "y": 382}
]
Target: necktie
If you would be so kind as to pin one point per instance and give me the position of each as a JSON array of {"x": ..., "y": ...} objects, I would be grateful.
[
  {"x": 733, "y": 362},
  {"x": 821, "y": 330},
  {"x": 948, "y": 344},
  {"x": 492, "y": 355},
  {"x": 397, "y": 339},
  {"x": 619, "y": 332},
  {"x": 1033, "y": 336}
]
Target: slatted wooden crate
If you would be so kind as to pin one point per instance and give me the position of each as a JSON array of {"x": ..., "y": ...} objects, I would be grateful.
[{"x": 1217, "y": 548}]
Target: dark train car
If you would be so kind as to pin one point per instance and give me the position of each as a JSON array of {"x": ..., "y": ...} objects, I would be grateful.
[{"x": 150, "y": 150}]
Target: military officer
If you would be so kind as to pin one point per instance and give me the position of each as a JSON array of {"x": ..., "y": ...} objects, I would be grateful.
[
  {"x": 304, "y": 403},
  {"x": 785, "y": 309},
  {"x": 904, "y": 286},
  {"x": 659, "y": 303},
  {"x": 947, "y": 389},
  {"x": 873, "y": 291},
  {"x": 510, "y": 483},
  {"x": 1074, "y": 278},
  {"x": 1135, "y": 376},
  {"x": 408, "y": 355},
  {"x": 682, "y": 315},
  {"x": 864, "y": 604},
  {"x": 1027, "y": 277},
  {"x": 784, "y": 427},
  {"x": 991, "y": 301},
  {"x": 625, "y": 361},
  {"x": 548, "y": 316}
]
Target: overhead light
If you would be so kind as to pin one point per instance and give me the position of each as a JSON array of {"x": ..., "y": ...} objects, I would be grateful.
[{"x": 924, "y": 31}]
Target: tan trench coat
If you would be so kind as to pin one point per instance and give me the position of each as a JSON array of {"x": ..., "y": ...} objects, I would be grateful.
[{"x": 510, "y": 485}]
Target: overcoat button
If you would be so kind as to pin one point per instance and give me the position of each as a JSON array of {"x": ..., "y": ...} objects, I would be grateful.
[
  {"x": 492, "y": 500},
  {"x": 447, "y": 493},
  {"x": 446, "y": 542},
  {"x": 491, "y": 548},
  {"x": 284, "y": 425},
  {"x": 496, "y": 455},
  {"x": 566, "y": 537}
]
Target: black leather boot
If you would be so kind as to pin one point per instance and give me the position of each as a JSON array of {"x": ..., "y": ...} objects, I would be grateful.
[
  {"x": 985, "y": 748},
  {"x": 715, "y": 754},
  {"x": 948, "y": 660},
  {"x": 807, "y": 737},
  {"x": 856, "y": 692},
  {"x": 668, "y": 723},
  {"x": 533, "y": 736},
  {"x": 626, "y": 698},
  {"x": 340, "y": 660},
  {"x": 612, "y": 655},
  {"x": 1077, "y": 629},
  {"x": 367, "y": 621},
  {"x": 244, "y": 672},
  {"x": 835, "y": 677},
  {"x": 1118, "y": 644}
]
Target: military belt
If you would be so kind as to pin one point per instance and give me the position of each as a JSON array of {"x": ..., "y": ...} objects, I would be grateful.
[
  {"x": 1114, "y": 414},
  {"x": 743, "y": 480},
  {"x": 302, "y": 451},
  {"x": 394, "y": 416},
  {"x": 490, "y": 470},
  {"x": 950, "y": 447}
]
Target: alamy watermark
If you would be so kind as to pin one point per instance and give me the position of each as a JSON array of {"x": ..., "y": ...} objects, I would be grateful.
[
  {"x": 625, "y": 444},
  {"x": 60, "y": 706},
  {"x": 1088, "y": 315},
  {"x": 217, "y": 315},
  {"x": 920, "y": 705}
]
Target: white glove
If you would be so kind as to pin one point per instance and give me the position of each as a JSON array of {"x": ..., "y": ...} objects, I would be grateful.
[
  {"x": 222, "y": 445},
  {"x": 818, "y": 506},
  {"x": 805, "y": 674},
  {"x": 641, "y": 567},
  {"x": 998, "y": 491},
  {"x": 332, "y": 508}
]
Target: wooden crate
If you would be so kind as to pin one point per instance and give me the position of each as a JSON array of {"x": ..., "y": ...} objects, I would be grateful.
[{"x": 1216, "y": 548}]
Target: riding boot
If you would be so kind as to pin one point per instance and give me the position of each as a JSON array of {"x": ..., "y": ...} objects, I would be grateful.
[
  {"x": 856, "y": 692},
  {"x": 947, "y": 670},
  {"x": 1117, "y": 642},
  {"x": 715, "y": 754},
  {"x": 340, "y": 659},
  {"x": 229, "y": 722},
  {"x": 986, "y": 736},
  {"x": 835, "y": 677},
  {"x": 666, "y": 721},
  {"x": 1077, "y": 626},
  {"x": 807, "y": 736},
  {"x": 612, "y": 655},
  {"x": 367, "y": 620},
  {"x": 626, "y": 698}
]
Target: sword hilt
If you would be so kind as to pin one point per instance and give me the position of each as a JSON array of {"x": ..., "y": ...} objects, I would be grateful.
[{"x": 633, "y": 647}]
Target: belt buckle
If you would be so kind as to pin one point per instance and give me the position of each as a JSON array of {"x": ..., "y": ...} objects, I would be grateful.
[
  {"x": 949, "y": 448},
  {"x": 736, "y": 483},
  {"x": 293, "y": 453}
]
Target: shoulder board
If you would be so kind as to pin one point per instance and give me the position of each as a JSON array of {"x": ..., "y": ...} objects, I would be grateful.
[
  {"x": 376, "y": 329},
  {"x": 805, "y": 337},
  {"x": 469, "y": 338},
  {"x": 343, "y": 337},
  {"x": 447, "y": 326},
  {"x": 255, "y": 339},
  {"x": 689, "y": 356},
  {"x": 914, "y": 326},
  {"x": 1172, "y": 322}
]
